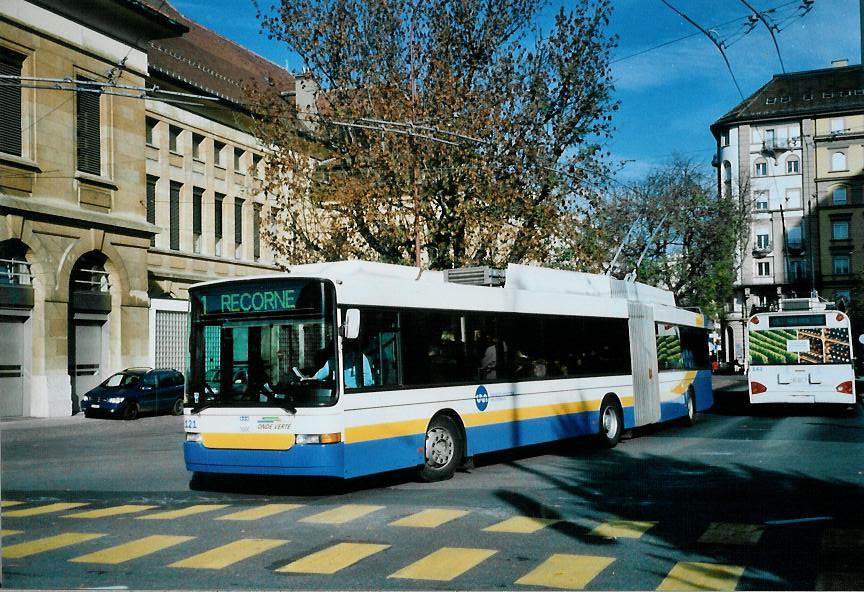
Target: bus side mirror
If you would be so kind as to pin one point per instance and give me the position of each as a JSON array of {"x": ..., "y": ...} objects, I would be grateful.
[{"x": 351, "y": 326}]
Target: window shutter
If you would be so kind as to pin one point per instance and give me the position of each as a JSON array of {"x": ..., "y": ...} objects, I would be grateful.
[
  {"x": 256, "y": 231},
  {"x": 197, "y": 194},
  {"x": 87, "y": 126},
  {"x": 218, "y": 217},
  {"x": 10, "y": 104},
  {"x": 175, "y": 216},
  {"x": 238, "y": 221},
  {"x": 151, "y": 203}
]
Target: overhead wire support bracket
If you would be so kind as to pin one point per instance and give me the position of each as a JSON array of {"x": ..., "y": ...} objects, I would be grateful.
[{"x": 771, "y": 27}]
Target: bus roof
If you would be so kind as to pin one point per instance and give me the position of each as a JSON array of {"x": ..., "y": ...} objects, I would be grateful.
[{"x": 526, "y": 289}]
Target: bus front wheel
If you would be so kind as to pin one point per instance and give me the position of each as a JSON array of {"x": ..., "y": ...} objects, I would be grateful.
[
  {"x": 444, "y": 449},
  {"x": 690, "y": 418},
  {"x": 611, "y": 423}
]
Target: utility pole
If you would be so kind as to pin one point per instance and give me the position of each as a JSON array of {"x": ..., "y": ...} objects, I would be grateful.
[{"x": 413, "y": 142}]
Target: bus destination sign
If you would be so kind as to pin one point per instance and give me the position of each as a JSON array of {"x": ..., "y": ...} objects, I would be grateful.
[{"x": 249, "y": 300}]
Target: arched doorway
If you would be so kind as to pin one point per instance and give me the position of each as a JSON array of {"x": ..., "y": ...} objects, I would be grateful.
[
  {"x": 89, "y": 307},
  {"x": 16, "y": 311}
]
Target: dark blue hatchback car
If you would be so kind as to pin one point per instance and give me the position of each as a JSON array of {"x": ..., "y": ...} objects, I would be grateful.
[{"x": 133, "y": 391}]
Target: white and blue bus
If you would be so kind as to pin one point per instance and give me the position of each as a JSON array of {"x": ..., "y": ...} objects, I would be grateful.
[
  {"x": 352, "y": 368},
  {"x": 801, "y": 353}
]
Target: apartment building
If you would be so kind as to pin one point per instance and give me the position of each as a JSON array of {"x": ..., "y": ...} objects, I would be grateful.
[
  {"x": 127, "y": 173},
  {"x": 793, "y": 151}
]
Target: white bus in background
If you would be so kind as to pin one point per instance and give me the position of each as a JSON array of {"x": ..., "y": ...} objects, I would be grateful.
[
  {"x": 801, "y": 353},
  {"x": 352, "y": 368}
]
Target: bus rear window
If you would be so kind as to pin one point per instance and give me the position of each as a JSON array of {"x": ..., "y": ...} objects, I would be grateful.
[{"x": 808, "y": 320}]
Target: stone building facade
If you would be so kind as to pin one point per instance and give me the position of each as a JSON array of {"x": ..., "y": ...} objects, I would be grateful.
[{"x": 108, "y": 199}]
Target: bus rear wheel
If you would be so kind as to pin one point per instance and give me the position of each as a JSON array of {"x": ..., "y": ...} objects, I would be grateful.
[
  {"x": 690, "y": 418},
  {"x": 444, "y": 449},
  {"x": 611, "y": 423}
]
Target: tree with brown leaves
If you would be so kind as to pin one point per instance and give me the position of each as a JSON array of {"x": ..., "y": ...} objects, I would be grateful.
[{"x": 441, "y": 129}]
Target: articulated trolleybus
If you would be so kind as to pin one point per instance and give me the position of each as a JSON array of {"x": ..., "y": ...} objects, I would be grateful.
[
  {"x": 801, "y": 353},
  {"x": 352, "y": 368}
]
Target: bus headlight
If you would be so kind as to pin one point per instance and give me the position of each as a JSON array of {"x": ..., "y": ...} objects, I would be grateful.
[
  {"x": 193, "y": 437},
  {"x": 318, "y": 438}
]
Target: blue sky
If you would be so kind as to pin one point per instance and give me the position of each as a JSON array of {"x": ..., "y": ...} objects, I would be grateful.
[{"x": 669, "y": 95}]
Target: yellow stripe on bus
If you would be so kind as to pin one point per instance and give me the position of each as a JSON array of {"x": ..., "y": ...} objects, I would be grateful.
[
  {"x": 248, "y": 441},
  {"x": 412, "y": 427},
  {"x": 685, "y": 383}
]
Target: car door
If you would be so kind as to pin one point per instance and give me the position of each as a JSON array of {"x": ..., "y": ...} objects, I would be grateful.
[
  {"x": 170, "y": 390},
  {"x": 149, "y": 390}
]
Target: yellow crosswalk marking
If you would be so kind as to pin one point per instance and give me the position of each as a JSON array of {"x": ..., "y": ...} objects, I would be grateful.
[
  {"x": 183, "y": 512},
  {"x": 731, "y": 533},
  {"x": 38, "y": 510},
  {"x": 10, "y": 532},
  {"x": 132, "y": 550},
  {"x": 260, "y": 512},
  {"x": 566, "y": 571},
  {"x": 114, "y": 511},
  {"x": 51, "y": 543},
  {"x": 8, "y": 503},
  {"x": 622, "y": 529},
  {"x": 444, "y": 564},
  {"x": 333, "y": 559},
  {"x": 342, "y": 514},
  {"x": 702, "y": 576},
  {"x": 228, "y": 554},
  {"x": 521, "y": 525},
  {"x": 430, "y": 518}
]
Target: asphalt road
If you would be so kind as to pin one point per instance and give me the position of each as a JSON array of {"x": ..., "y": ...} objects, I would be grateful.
[{"x": 749, "y": 498}]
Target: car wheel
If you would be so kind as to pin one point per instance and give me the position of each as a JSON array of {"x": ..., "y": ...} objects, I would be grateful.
[
  {"x": 444, "y": 449},
  {"x": 177, "y": 409},
  {"x": 611, "y": 423},
  {"x": 88, "y": 415},
  {"x": 131, "y": 411}
]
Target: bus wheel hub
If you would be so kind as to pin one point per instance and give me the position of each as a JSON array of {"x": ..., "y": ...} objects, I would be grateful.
[{"x": 439, "y": 447}]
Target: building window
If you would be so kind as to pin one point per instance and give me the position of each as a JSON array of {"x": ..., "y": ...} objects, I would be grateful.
[
  {"x": 840, "y": 230},
  {"x": 174, "y": 138},
  {"x": 837, "y": 125},
  {"x": 10, "y": 103},
  {"x": 793, "y": 238},
  {"x": 841, "y": 264},
  {"x": 843, "y": 296},
  {"x": 151, "y": 203},
  {"x": 761, "y": 200},
  {"x": 197, "y": 199},
  {"x": 174, "y": 220},
  {"x": 792, "y": 165},
  {"x": 238, "y": 228},
  {"x": 197, "y": 146},
  {"x": 838, "y": 196},
  {"x": 256, "y": 165},
  {"x": 87, "y": 115},
  {"x": 217, "y": 221},
  {"x": 763, "y": 268},
  {"x": 218, "y": 148},
  {"x": 150, "y": 132},
  {"x": 238, "y": 157},
  {"x": 724, "y": 138},
  {"x": 797, "y": 270},
  {"x": 763, "y": 240},
  {"x": 838, "y": 161},
  {"x": 761, "y": 168},
  {"x": 256, "y": 231}
]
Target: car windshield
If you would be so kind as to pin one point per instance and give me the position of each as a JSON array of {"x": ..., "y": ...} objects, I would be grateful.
[{"x": 122, "y": 379}]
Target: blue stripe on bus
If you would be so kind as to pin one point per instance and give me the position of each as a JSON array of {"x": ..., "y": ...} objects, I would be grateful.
[{"x": 323, "y": 460}]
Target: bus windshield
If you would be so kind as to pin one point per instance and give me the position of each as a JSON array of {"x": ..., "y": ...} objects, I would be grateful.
[
  {"x": 812, "y": 345},
  {"x": 263, "y": 344}
]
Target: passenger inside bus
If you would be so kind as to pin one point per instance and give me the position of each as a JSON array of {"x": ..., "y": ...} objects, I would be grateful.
[{"x": 352, "y": 368}]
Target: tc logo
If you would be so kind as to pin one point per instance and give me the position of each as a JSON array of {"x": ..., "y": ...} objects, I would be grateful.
[{"x": 481, "y": 398}]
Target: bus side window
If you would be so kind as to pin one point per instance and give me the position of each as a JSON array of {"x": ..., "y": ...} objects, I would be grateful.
[{"x": 378, "y": 342}]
